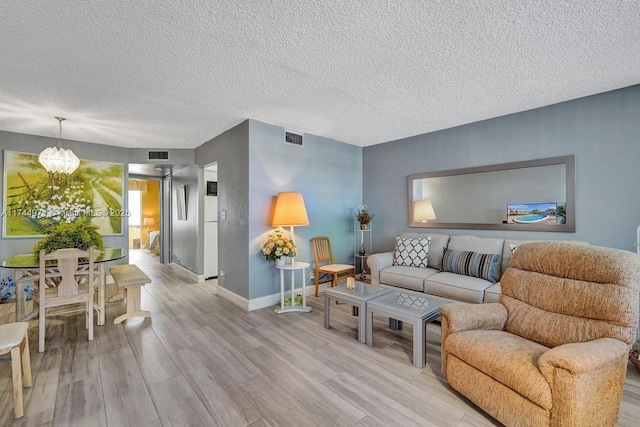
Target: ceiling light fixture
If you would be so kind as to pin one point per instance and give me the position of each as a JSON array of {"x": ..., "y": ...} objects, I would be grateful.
[{"x": 58, "y": 159}]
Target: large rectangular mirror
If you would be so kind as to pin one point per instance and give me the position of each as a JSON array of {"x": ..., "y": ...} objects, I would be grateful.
[{"x": 533, "y": 195}]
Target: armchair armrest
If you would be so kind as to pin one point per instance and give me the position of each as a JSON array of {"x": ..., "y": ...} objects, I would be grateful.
[
  {"x": 461, "y": 316},
  {"x": 586, "y": 375},
  {"x": 377, "y": 262},
  {"x": 583, "y": 357}
]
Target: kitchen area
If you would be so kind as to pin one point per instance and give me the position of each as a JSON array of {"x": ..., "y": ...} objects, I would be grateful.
[{"x": 211, "y": 222}]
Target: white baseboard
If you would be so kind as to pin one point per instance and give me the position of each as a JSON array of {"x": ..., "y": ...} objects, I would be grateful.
[
  {"x": 184, "y": 272},
  {"x": 257, "y": 303}
]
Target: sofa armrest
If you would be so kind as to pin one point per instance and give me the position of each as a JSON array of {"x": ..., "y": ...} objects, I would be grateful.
[
  {"x": 586, "y": 381},
  {"x": 377, "y": 262}
]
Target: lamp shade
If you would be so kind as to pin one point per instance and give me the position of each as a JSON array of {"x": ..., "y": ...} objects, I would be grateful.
[
  {"x": 423, "y": 211},
  {"x": 149, "y": 222},
  {"x": 290, "y": 210}
]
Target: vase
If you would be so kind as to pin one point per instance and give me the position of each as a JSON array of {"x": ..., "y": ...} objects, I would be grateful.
[
  {"x": 364, "y": 226},
  {"x": 280, "y": 261},
  {"x": 289, "y": 260},
  {"x": 362, "y": 251}
]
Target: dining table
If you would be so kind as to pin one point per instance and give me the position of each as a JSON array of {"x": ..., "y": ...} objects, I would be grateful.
[{"x": 27, "y": 270}]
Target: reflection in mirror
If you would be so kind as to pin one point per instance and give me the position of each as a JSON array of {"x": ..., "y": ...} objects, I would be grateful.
[{"x": 535, "y": 195}]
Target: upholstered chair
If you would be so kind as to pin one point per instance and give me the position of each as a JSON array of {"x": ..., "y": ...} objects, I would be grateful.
[{"x": 554, "y": 349}]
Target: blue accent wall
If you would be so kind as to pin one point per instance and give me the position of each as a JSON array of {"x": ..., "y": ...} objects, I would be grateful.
[{"x": 603, "y": 131}]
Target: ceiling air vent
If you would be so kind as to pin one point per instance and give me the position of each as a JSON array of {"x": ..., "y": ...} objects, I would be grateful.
[
  {"x": 293, "y": 138},
  {"x": 157, "y": 155}
]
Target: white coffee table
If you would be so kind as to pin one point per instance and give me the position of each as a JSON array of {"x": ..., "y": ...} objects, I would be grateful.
[
  {"x": 357, "y": 298},
  {"x": 404, "y": 306}
]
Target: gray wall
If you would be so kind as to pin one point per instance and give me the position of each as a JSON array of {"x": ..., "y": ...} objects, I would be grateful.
[
  {"x": 603, "y": 131},
  {"x": 231, "y": 151},
  {"x": 329, "y": 175},
  {"x": 186, "y": 235},
  {"x": 35, "y": 144}
]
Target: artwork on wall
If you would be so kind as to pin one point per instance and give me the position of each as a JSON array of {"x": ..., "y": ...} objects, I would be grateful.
[
  {"x": 181, "y": 195},
  {"x": 34, "y": 199}
]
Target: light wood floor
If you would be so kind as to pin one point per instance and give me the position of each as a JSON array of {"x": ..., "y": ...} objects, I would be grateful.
[{"x": 201, "y": 361}]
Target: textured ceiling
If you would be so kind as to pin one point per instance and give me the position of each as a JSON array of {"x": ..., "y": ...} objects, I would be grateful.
[{"x": 174, "y": 74}]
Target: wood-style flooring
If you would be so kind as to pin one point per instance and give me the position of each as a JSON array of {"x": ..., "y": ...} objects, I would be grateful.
[{"x": 202, "y": 361}]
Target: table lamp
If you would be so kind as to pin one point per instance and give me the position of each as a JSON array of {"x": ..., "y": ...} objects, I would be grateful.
[
  {"x": 149, "y": 222},
  {"x": 423, "y": 211},
  {"x": 290, "y": 211}
]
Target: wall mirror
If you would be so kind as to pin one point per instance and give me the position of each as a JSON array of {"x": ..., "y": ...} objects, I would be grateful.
[{"x": 533, "y": 195}]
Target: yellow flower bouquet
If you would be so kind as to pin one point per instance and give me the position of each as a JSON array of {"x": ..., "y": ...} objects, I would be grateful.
[{"x": 277, "y": 246}]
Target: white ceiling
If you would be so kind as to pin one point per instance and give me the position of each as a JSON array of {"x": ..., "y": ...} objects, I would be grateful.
[{"x": 174, "y": 74}]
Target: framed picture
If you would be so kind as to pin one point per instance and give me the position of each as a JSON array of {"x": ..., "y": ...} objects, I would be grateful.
[
  {"x": 181, "y": 202},
  {"x": 34, "y": 199}
]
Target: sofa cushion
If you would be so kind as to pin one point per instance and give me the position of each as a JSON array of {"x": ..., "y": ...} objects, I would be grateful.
[
  {"x": 406, "y": 277},
  {"x": 436, "y": 247},
  {"x": 412, "y": 252},
  {"x": 482, "y": 245},
  {"x": 456, "y": 286},
  {"x": 509, "y": 359},
  {"x": 473, "y": 264}
]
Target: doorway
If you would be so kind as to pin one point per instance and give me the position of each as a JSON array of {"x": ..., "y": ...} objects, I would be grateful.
[{"x": 144, "y": 220}]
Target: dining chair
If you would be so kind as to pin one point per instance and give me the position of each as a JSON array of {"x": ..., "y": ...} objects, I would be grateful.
[
  {"x": 65, "y": 282},
  {"x": 14, "y": 339},
  {"x": 326, "y": 269}
]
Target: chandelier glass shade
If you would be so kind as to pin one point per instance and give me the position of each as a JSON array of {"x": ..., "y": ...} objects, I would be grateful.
[{"x": 58, "y": 159}]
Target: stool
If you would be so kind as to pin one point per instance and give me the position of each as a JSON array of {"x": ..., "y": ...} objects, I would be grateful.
[
  {"x": 14, "y": 340},
  {"x": 131, "y": 278}
]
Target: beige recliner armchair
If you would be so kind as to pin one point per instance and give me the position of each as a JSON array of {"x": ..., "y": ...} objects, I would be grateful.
[{"x": 554, "y": 349}]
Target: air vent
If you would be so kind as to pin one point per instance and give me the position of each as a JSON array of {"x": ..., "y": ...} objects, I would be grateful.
[
  {"x": 157, "y": 155},
  {"x": 293, "y": 138}
]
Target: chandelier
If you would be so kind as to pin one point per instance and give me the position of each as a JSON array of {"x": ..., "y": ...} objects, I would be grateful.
[{"x": 58, "y": 159}]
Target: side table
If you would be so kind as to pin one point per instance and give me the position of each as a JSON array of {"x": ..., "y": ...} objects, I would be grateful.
[{"x": 293, "y": 307}]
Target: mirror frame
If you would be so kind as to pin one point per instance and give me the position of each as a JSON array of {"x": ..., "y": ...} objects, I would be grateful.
[{"x": 568, "y": 226}]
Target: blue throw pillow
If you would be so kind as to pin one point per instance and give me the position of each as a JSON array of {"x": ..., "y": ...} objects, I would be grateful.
[{"x": 472, "y": 264}]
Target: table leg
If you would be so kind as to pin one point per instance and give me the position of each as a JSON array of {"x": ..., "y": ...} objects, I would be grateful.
[
  {"x": 369, "y": 328},
  {"x": 102, "y": 284},
  {"x": 293, "y": 287},
  {"x": 395, "y": 324},
  {"x": 282, "y": 289},
  {"x": 19, "y": 297},
  {"x": 419, "y": 344},
  {"x": 327, "y": 310},
  {"x": 354, "y": 310},
  {"x": 362, "y": 322},
  {"x": 304, "y": 293}
]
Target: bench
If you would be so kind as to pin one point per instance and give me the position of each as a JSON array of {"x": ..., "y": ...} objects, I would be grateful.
[{"x": 131, "y": 278}]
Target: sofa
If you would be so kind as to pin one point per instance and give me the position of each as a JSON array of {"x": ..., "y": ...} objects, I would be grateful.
[
  {"x": 553, "y": 350},
  {"x": 451, "y": 282}
]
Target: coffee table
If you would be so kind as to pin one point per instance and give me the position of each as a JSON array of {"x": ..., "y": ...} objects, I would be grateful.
[
  {"x": 407, "y": 307},
  {"x": 357, "y": 298}
]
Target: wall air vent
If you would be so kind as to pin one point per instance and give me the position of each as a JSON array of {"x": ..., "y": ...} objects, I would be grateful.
[
  {"x": 293, "y": 138},
  {"x": 158, "y": 155}
]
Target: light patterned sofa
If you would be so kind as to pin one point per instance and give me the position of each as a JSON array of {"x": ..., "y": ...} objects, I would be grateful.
[
  {"x": 445, "y": 284},
  {"x": 554, "y": 349}
]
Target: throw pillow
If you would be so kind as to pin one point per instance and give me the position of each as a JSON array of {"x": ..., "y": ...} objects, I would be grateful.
[
  {"x": 513, "y": 248},
  {"x": 412, "y": 252},
  {"x": 472, "y": 264}
]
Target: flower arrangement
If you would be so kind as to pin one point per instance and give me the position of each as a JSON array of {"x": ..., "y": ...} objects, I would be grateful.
[
  {"x": 278, "y": 245},
  {"x": 81, "y": 234},
  {"x": 363, "y": 216}
]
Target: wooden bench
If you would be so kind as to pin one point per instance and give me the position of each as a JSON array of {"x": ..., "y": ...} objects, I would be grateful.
[{"x": 131, "y": 278}]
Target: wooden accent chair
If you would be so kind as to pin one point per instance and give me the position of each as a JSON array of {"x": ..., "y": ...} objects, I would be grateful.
[
  {"x": 14, "y": 339},
  {"x": 554, "y": 349},
  {"x": 325, "y": 265},
  {"x": 69, "y": 283}
]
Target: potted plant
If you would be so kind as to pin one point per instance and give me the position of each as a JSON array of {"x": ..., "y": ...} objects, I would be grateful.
[
  {"x": 364, "y": 217},
  {"x": 561, "y": 214},
  {"x": 81, "y": 234},
  {"x": 277, "y": 247}
]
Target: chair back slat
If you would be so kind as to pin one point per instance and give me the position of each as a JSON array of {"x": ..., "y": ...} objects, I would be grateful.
[{"x": 322, "y": 250}]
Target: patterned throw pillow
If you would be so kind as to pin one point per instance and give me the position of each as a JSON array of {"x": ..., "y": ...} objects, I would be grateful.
[
  {"x": 412, "y": 252},
  {"x": 472, "y": 264},
  {"x": 513, "y": 248}
]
